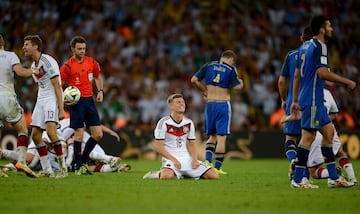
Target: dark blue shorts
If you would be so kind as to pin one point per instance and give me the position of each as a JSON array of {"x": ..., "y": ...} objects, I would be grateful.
[
  {"x": 84, "y": 113},
  {"x": 217, "y": 117}
]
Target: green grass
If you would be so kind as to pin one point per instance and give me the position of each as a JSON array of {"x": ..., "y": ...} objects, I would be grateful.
[{"x": 254, "y": 186}]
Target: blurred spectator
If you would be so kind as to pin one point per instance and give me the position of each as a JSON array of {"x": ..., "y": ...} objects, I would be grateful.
[
  {"x": 240, "y": 114},
  {"x": 149, "y": 49}
]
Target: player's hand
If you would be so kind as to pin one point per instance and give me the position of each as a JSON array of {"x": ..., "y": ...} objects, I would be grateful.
[
  {"x": 351, "y": 85},
  {"x": 205, "y": 94},
  {"x": 61, "y": 115},
  {"x": 100, "y": 96},
  {"x": 116, "y": 136},
  {"x": 69, "y": 103},
  {"x": 35, "y": 71},
  {"x": 287, "y": 118},
  {"x": 195, "y": 164},
  {"x": 177, "y": 164},
  {"x": 295, "y": 110},
  {"x": 70, "y": 141},
  {"x": 283, "y": 119}
]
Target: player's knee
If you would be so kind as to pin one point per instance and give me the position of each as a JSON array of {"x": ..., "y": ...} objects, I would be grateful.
[
  {"x": 98, "y": 136},
  {"x": 97, "y": 133},
  {"x": 210, "y": 174},
  {"x": 21, "y": 126}
]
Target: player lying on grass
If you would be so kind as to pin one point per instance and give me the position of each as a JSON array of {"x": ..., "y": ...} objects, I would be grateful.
[
  {"x": 99, "y": 161},
  {"x": 316, "y": 159}
]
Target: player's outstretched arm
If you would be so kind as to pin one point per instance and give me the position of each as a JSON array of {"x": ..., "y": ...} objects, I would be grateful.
[
  {"x": 25, "y": 72},
  {"x": 110, "y": 132},
  {"x": 287, "y": 118},
  {"x": 324, "y": 73}
]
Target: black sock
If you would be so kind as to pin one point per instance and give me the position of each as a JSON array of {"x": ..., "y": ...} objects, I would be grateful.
[
  {"x": 77, "y": 154},
  {"x": 90, "y": 144}
]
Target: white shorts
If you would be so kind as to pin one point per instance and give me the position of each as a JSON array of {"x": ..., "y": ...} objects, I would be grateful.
[
  {"x": 186, "y": 168},
  {"x": 315, "y": 156},
  {"x": 10, "y": 110},
  {"x": 45, "y": 110}
]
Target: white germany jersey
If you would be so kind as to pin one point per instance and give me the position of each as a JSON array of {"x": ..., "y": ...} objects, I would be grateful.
[
  {"x": 175, "y": 134},
  {"x": 7, "y": 61},
  {"x": 48, "y": 68},
  {"x": 329, "y": 102}
]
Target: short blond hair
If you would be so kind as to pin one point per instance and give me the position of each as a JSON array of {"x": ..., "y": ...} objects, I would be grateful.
[
  {"x": 228, "y": 54},
  {"x": 174, "y": 96}
]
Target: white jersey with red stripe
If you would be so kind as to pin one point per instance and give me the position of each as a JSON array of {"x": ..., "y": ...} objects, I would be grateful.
[
  {"x": 175, "y": 135},
  {"x": 48, "y": 69}
]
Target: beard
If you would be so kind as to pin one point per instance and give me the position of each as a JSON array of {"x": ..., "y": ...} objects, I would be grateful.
[{"x": 328, "y": 39}]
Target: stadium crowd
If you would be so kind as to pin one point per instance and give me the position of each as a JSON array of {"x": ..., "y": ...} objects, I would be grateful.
[{"x": 149, "y": 49}]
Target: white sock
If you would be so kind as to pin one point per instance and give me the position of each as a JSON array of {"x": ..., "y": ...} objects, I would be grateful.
[
  {"x": 70, "y": 155},
  {"x": 152, "y": 175},
  {"x": 21, "y": 150},
  {"x": 99, "y": 156},
  {"x": 34, "y": 162},
  {"x": 324, "y": 173},
  {"x": 10, "y": 154},
  {"x": 61, "y": 161},
  {"x": 349, "y": 171},
  {"x": 45, "y": 164}
]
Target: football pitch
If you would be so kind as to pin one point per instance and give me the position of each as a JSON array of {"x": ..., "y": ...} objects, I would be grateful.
[{"x": 253, "y": 186}]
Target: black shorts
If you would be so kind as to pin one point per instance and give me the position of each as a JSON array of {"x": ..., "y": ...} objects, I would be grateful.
[{"x": 84, "y": 113}]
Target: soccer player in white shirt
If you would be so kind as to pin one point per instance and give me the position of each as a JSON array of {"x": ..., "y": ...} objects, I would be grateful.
[
  {"x": 172, "y": 134},
  {"x": 10, "y": 109},
  {"x": 49, "y": 105}
]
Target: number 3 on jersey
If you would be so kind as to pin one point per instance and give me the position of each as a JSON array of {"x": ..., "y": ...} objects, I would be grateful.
[{"x": 217, "y": 78}]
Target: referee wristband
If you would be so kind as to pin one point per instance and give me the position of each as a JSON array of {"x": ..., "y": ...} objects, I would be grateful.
[{"x": 101, "y": 90}]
